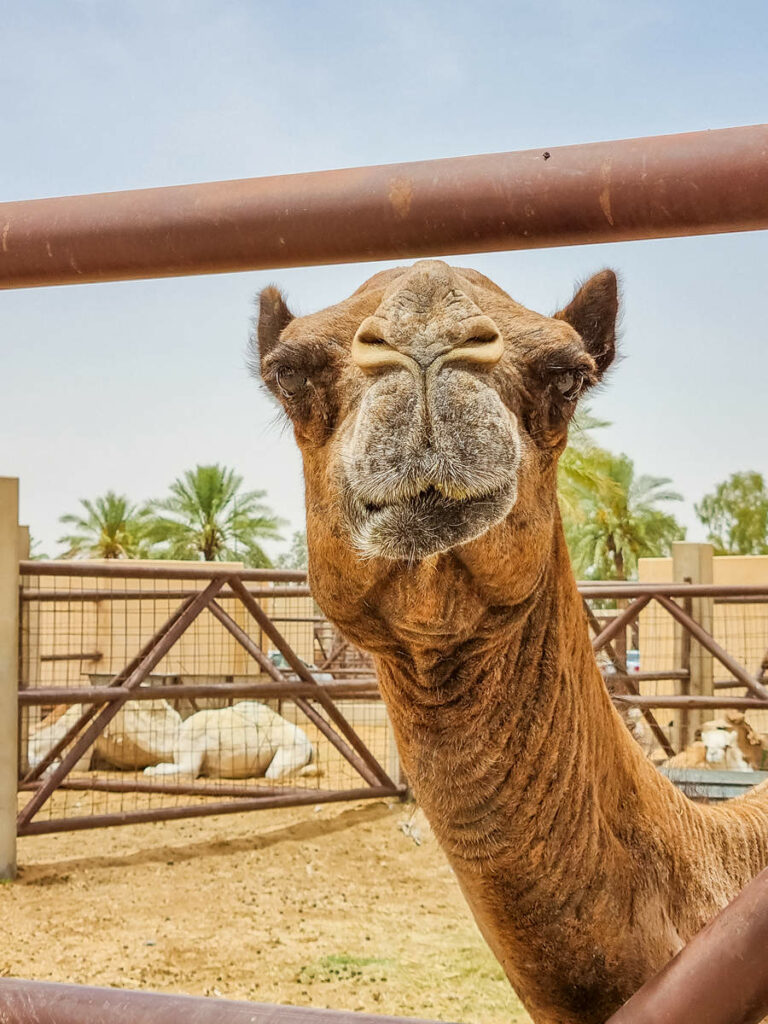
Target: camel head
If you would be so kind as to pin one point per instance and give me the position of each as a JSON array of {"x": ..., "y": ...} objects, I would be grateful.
[{"x": 430, "y": 409}]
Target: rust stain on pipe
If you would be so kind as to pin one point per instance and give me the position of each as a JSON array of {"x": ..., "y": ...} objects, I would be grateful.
[
  {"x": 664, "y": 186},
  {"x": 720, "y": 977}
]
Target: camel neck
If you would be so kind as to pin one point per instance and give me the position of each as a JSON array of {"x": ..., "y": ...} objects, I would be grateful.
[{"x": 513, "y": 732}]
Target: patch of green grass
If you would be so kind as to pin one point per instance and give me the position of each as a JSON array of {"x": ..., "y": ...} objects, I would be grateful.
[{"x": 345, "y": 967}]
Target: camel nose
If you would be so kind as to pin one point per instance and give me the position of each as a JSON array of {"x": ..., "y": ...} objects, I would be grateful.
[{"x": 478, "y": 342}]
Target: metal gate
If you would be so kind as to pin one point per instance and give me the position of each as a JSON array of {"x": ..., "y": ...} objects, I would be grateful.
[{"x": 122, "y": 664}]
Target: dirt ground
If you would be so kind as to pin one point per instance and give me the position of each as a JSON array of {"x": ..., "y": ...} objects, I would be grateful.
[{"x": 332, "y": 906}]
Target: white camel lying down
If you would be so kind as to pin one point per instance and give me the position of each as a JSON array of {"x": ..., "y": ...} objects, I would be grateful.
[
  {"x": 139, "y": 735},
  {"x": 245, "y": 741},
  {"x": 728, "y": 744}
]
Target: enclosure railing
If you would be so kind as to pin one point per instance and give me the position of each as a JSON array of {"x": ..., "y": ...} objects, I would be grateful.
[
  {"x": 161, "y": 692},
  {"x": 692, "y": 184},
  {"x": 115, "y": 656},
  {"x": 698, "y": 183}
]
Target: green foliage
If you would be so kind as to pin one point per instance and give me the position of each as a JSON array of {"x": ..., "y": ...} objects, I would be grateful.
[
  {"x": 580, "y": 473},
  {"x": 736, "y": 515},
  {"x": 621, "y": 522},
  {"x": 112, "y": 527},
  {"x": 610, "y": 515},
  {"x": 208, "y": 516},
  {"x": 297, "y": 556}
]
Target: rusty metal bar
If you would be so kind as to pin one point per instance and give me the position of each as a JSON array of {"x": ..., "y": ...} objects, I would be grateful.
[
  {"x": 133, "y": 680},
  {"x": 710, "y": 644},
  {"x": 361, "y": 759},
  {"x": 128, "y": 569},
  {"x": 167, "y": 787},
  {"x": 653, "y": 677},
  {"x": 659, "y": 187},
  {"x": 95, "y": 594},
  {"x": 690, "y": 702},
  {"x": 43, "y": 1002},
  {"x": 610, "y": 589},
  {"x": 318, "y": 796},
  {"x": 322, "y": 698},
  {"x": 79, "y": 656},
  {"x": 720, "y": 977},
  {"x": 348, "y": 688},
  {"x": 620, "y": 622}
]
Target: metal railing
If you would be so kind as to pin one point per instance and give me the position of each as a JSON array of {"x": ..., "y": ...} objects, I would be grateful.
[
  {"x": 692, "y": 184},
  {"x": 169, "y": 654}
]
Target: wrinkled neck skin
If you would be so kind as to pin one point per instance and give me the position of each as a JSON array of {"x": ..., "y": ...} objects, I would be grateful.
[{"x": 583, "y": 866}]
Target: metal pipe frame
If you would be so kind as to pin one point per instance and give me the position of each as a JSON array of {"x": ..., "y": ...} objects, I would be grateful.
[
  {"x": 253, "y": 803},
  {"x": 128, "y": 569},
  {"x": 691, "y": 702},
  {"x": 287, "y": 690},
  {"x": 719, "y": 977},
  {"x": 43, "y": 1002},
  {"x": 28, "y": 595},
  {"x": 660, "y": 187}
]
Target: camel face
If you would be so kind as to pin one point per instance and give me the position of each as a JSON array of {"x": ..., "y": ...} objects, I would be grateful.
[{"x": 430, "y": 409}]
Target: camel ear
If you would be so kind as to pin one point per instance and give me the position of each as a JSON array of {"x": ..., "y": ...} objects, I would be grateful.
[
  {"x": 592, "y": 314},
  {"x": 274, "y": 317}
]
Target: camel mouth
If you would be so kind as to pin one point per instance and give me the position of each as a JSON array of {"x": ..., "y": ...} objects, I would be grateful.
[{"x": 432, "y": 520}]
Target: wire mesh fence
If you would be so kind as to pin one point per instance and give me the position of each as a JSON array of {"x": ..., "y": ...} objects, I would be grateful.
[
  {"x": 149, "y": 692},
  {"x": 681, "y": 654},
  {"x": 156, "y": 691}
]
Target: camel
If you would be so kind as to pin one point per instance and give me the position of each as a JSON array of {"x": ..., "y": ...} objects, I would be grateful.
[
  {"x": 430, "y": 410},
  {"x": 726, "y": 744},
  {"x": 246, "y": 740},
  {"x": 140, "y": 734}
]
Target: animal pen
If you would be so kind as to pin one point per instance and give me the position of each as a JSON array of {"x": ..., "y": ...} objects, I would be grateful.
[{"x": 100, "y": 641}]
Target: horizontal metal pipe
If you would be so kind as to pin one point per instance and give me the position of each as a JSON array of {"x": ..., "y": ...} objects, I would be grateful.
[
  {"x": 683, "y": 701},
  {"x": 693, "y": 184},
  {"x": 43, "y": 1002},
  {"x": 719, "y": 977},
  {"x": 95, "y": 594},
  {"x": 127, "y": 568},
  {"x": 75, "y": 656},
  {"x": 165, "y": 785},
  {"x": 648, "y": 677},
  {"x": 349, "y": 688},
  {"x": 41, "y": 827},
  {"x": 608, "y": 590}
]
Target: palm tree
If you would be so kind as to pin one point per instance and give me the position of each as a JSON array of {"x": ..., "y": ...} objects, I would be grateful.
[
  {"x": 207, "y": 516},
  {"x": 581, "y": 474},
  {"x": 112, "y": 527},
  {"x": 623, "y": 523}
]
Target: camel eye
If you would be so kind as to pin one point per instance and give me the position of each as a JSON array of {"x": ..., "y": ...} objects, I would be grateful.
[
  {"x": 570, "y": 384},
  {"x": 290, "y": 381}
]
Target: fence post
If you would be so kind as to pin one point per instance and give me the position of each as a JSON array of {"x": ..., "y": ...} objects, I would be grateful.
[
  {"x": 693, "y": 563},
  {"x": 9, "y": 665}
]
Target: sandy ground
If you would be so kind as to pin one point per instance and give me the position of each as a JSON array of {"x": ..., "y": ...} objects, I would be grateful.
[{"x": 333, "y": 906}]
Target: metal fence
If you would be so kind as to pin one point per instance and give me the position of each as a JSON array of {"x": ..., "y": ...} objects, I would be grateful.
[
  {"x": 151, "y": 692},
  {"x": 638, "y": 188}
]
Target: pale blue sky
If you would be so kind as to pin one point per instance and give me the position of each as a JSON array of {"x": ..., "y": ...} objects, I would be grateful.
[{"x": 125, "y": 385}]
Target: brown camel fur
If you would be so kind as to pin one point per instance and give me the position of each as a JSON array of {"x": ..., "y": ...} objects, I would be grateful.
[{"x": 430, "y": 410}]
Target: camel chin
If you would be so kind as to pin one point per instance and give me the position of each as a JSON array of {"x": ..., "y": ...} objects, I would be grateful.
[{"x": 414, "y": 528}]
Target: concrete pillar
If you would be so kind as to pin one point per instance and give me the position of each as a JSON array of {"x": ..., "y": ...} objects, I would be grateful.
[
  {"x": 693, "y": 563},
  {"x": 9, "y": 665}
]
